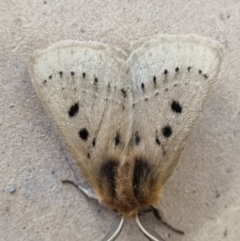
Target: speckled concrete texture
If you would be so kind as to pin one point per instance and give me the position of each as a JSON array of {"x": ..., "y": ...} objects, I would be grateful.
[{"x": 203, "y": 195}]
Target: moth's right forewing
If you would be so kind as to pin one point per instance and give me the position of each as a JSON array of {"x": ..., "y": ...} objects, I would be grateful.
[{"x": 171, "y": 76}]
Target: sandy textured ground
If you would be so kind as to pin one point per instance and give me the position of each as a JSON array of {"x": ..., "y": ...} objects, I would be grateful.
[{"x": 203, "y": 195}]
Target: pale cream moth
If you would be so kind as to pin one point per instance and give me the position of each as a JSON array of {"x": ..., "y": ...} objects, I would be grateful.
[{"x": 125, "y": 119}]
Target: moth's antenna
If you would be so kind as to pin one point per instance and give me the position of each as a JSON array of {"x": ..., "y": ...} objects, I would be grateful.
[
  {"x": 148, "y": 229},
  {"x": 115, "y": 230}
]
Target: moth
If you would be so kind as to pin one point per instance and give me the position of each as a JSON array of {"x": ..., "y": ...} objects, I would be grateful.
[{"x": 125, "y": 118}]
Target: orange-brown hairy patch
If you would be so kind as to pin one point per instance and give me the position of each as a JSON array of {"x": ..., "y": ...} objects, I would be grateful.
[{"x": 128, "y": 186}]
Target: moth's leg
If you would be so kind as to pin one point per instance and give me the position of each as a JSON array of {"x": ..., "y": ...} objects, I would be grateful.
[
  {"x": 158, "y": 211},
  {"x": 161, "y": 212},
  {"x": 147, "y": 227},
  {"x": 84, "y": 190}
]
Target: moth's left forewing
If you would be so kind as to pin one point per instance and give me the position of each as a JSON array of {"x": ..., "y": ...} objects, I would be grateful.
[
  {"x": 84, "y": 88},
  {"x": 171, "y": 77}
]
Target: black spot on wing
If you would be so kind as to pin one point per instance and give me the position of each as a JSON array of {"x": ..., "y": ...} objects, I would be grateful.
[
  {"x": 83, "y": 134},
  {"x": 95, "y": 80},
  {"x": 166, "y": 72},
  {"x": 117, "y": 139},
  {"x": 137, "y": 138},
  {"x": 177, "y": 70},
  {"x": 124, "y": 93},
  {"x": 108, "y": 172},
  {"x": 157, "y": 141},
  {"x": 94, "y": 142},
  {"x": 60, "y": 74},
  {"x": 154, "y": 81},
  {"x": 167, "y": 131},
  {"x": 189, "y": 68},
  {"x": 84, "y": 75},
  {"x": 142, "y": 174},
  {"x": 73, "y": 110},
  {"x": 50, "y": 76},
  {"x": 143, "y": 87},
  {"x": 176, "y": 107},
  {"x": 72, "y": 73}
]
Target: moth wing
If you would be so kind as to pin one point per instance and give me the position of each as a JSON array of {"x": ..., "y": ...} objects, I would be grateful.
[
  {"x": 84, "y": 89},
  {"x": 171, "y": 77}
]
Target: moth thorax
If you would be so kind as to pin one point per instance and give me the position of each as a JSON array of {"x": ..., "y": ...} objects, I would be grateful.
[{"x": 128, "y": 187}]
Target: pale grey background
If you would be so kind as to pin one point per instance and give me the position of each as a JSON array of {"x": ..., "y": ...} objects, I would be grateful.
[{"x": 203, "y": 195}]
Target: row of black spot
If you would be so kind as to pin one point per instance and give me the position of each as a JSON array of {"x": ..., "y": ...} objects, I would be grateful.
[
  {"x": 83, "y": 134},
  {"x": 166, "y": 72},
  {"x": 166, "y": 131},
  {"x": 123, "y": 91},
  {"x": 72, "y": 74}
]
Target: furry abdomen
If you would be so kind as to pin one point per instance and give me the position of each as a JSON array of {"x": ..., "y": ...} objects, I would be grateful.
[{"x": 128, "y": 186}]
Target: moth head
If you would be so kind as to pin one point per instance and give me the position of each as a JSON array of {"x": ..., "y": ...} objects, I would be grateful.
[{"x": 128, "y": 186}]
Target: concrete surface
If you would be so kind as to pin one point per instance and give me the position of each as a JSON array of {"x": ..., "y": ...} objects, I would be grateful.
[{"x": 203, "y": 195}]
